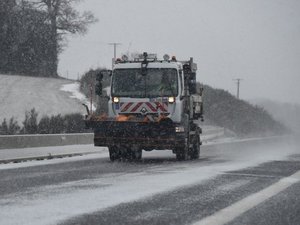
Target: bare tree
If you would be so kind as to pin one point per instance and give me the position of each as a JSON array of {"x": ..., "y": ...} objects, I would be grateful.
[{"x": 63, "y": 18}]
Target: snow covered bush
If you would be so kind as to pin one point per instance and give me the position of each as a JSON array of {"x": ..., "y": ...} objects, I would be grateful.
[
  {"x": 55, "y": 124},
  {"x": 30, "y": 124},
  {"x": 10, "y": 128}
]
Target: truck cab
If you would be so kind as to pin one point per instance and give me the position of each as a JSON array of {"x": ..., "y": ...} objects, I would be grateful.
[{"x": 154, "y": 93}]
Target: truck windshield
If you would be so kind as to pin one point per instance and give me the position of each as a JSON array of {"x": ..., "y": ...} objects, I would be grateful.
[{"x": 159, "y": 82}]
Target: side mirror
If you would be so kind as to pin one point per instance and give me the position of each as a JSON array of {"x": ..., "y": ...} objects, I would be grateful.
[
  {"x": 99, "y": 78},
  {"x": 201, "y": 91},
  {"x": 98, "y": 89}
]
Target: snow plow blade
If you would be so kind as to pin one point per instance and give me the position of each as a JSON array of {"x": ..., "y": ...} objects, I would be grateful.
[{"x": 153, "y": 135}]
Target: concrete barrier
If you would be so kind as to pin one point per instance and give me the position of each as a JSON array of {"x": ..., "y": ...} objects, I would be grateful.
[{"x": 43, "y": 140}]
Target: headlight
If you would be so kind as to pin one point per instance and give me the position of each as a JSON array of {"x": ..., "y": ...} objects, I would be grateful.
[
  {"x": 116, "y": 100},
  {"x": 179, "y": 129},
  {"x": 171, "y": 99}
]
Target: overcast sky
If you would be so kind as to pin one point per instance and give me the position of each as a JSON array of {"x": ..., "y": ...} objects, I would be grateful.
[{"x": 256, "y": 40}]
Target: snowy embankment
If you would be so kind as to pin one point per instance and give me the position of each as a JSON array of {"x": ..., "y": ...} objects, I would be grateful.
[{"x": 49, "y": 96}]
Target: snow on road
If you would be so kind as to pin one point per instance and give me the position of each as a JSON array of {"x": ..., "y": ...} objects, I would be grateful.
[
  {"x": 20, "y": 93},
  {"x": 53, "y": 203}
]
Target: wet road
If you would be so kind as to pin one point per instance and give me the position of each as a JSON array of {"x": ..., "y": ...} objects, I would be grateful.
[{"x": 234, "y": 183}]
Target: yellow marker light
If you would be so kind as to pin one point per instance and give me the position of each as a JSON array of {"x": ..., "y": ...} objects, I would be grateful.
[
  {"x": 116, "y": 100},
  {"x": 171, "y": 99}
]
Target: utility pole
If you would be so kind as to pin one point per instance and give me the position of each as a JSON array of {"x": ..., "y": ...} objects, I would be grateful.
[
  {"x": 115, "y": 51},
  {"x": 238, "y": 80}
]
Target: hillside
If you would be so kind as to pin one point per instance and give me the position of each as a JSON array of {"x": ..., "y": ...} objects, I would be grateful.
[
  {"x": 49, "y": 96},
  {"x": 286, "y": 113},
  {"x": 225, "y": 110}
]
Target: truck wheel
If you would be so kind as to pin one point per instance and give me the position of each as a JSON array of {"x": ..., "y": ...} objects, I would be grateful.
[
  {"x": 130, "y": 154},
  {"x": 182, "y": 154},
  {"x": 114, "y": 153},
  {"x": 195, "y": 151},
  {"x": 136, "y": 155}
]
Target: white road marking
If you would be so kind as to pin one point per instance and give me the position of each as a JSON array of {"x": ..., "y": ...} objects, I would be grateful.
[{"x": 231, "y": 212}]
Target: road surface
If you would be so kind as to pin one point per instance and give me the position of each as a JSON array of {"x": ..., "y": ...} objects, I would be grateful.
[{"x": 233, "y": 183}]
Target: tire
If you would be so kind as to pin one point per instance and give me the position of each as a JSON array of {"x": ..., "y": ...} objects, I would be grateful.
[
  {"x": 195, "y": 151},
  {"x": 182, "y": 154},
  {"x": 129, "y": 154},
  {"x": 136, "y": 155},
  {"x": 125, "y": 153},
  {"x": 114, "y": 153}
]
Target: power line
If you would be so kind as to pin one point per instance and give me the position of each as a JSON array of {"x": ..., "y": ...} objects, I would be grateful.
[
  {"x": 238, "y": 80},
  {"x": 115, "y": 44}
]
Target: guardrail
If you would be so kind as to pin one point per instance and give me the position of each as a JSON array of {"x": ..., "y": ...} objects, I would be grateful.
[{"x": 43, "y": 140}]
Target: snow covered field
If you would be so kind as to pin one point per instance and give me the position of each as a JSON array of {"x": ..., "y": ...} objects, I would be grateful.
[{"x": 48, "y": 96}]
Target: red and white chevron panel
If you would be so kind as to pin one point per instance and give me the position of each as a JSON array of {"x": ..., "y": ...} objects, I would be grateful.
[{"x": 150, "y": 107}]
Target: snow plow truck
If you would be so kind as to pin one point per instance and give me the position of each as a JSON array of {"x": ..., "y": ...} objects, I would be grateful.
[{"x": 152, "y": 105}]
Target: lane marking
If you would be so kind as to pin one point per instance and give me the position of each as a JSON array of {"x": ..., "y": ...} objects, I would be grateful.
[
  {"x": 231, "y": 212},
  {"x": 252, "y": 175}
]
